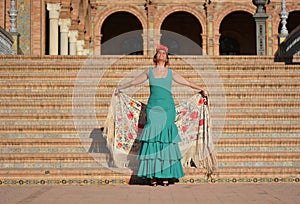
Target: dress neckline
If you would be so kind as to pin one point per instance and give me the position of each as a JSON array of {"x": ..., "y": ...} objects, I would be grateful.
[{"x": 159, "y": 77}]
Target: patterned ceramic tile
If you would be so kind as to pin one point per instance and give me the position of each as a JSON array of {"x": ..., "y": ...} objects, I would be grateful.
[{"x": 24, "y": 25}]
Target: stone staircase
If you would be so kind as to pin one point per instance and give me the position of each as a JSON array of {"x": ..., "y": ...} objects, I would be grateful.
[{"x": 52, "y": 109}]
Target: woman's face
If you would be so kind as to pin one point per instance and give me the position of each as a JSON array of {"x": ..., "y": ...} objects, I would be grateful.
[{"x": 161, "y": 55}]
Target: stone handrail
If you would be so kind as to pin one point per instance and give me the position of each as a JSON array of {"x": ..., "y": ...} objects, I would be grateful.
[
  {"x": 6, "y": 42},
  {"x": 290, "y": 47}
]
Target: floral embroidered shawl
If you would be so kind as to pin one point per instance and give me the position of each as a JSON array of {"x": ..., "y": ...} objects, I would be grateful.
[{"x": 127, "y": 117}]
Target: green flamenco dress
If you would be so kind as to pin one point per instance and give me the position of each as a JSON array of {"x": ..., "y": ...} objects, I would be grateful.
[{"x": 160, "y": 156}]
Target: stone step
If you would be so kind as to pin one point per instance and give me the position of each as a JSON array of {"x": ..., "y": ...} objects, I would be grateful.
[
  {"x": 104, "y": 103},
  {"x": 236, "y": 135},
  {"x": 100, "y": 165},
  {"x": 89, "y": 123},
  {"x": 111, "y": 83},
  {"x": 68, "y": 117},
  {"x": 278, "y": 88},
  {"x": 63, "y": 94},
  {"x": 249, "y": 171},
  {"x": 123, "y": 65},
  {"x": 77, "y": 142},
  {"x": 227, "y": 134},
  {"x": 70, "y": 130},
  {"x": 142, "y": 61},
  {"x": 58, "y": 123},
  {"x": 39, "y": 134},
  {"x": 205, "y": 60},
  {"x": 123, "y": 74},
  {"x": 62, "y": 150},
  {"x": 104, "y": 157},
  {"x": 109, "y": 175},
  {"x": 100, "y": 147},
  {"x": 72, "y": 145}
]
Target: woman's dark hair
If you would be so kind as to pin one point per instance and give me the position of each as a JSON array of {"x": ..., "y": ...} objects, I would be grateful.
[{"x": 155, "y": 59}]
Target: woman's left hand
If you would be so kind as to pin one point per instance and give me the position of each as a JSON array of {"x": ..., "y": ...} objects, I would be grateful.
[{"x": 204, "y": 93}]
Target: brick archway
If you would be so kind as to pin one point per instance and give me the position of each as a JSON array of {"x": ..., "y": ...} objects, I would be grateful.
[
  {"x": 164, "y": 13},
  {"x": 221, "y": 14},
  {"x": 229, "y": 9},
  {"x": 101, "y": 17}
]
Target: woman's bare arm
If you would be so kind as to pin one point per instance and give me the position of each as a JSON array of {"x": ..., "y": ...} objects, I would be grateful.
[
  {"x": 136, "y": 81},
  {"x": 181, "y": 80}
]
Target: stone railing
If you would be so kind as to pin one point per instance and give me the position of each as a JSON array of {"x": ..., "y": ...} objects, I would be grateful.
[
  {"x": 290, "y": 47},
  {"x": 6, "y": 42}
]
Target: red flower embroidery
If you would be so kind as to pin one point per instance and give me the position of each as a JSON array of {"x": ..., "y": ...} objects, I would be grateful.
[
  {"x": 183, "y": 112},
  {"x": 184, "y": 128},
  {"x": 194, "y": 115},
  {"x": 201, "y": 122},
  {"x": 136, "y": 127},
  {"x": 192, "y": 137},
  {"x": 130, "y": 136},
  {"x": 201, "y": 101},
  {"x": 119, "y": 119},
  {"x": 120, "y": 145},
  {"x": 130, "y": 116}
]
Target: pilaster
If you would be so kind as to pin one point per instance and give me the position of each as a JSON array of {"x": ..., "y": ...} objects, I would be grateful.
[
  {"x": 73, "y": 35},
  {"x": 64, "y": 30},
  {"x": 54, "y": 11}
]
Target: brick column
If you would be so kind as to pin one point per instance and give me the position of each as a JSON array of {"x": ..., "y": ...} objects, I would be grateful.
[
  {"x": 64, "y": 30},
  {"x": 151, "y": 8},
  {"x": 97, "y": 44},
  {"x": 145, "y": 42},
  {"x": 204, "y": 44},
  {"x": 211, "y": 39},
  {"x": 79, "y": 47},
  {"x": 73, "y": 34},
  {"x": 54, "y": 11},
  {"x": 216, "y": 44}
]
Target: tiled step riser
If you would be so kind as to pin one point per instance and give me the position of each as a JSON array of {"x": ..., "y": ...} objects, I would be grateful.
[
  {"x": 32, "y": 150},
  {"x": 104, "y": 157},
  {"x": 110, "y": 178},
  {"x": 37, "y": 81},
  {"x": 90, "y": 125},
  {"x": 141, "y": 63},
  {"x": 76, "y": 142},
  {"x": 230, "y": 86},
  {"x": 65, "y": 134},
  {"x": 58, "y": 123},
  {"x": 89, "y": 98},
  {"x": 71, "y": 165},
  {"x": 86, "y": 130},
  {"x": 55, "y": 119},
  {"x": 66, "y": 105}
]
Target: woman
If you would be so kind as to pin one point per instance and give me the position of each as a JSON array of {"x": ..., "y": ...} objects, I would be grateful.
[{"x": 160, "y": 156}]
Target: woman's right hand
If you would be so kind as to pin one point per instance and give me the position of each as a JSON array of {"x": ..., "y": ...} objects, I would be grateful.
[{"x": 117, "y": 91}]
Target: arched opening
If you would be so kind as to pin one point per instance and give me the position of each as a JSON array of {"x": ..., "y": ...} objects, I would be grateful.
[
  {"x": 121, "y": 35},
  {"x": 238, "y": 34},
  {"x": 292, "y": 22},
  {"x": 47, "y": 31},
  {"x": 229, "y": 46},
  {"x": 181, "y": 32}
]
